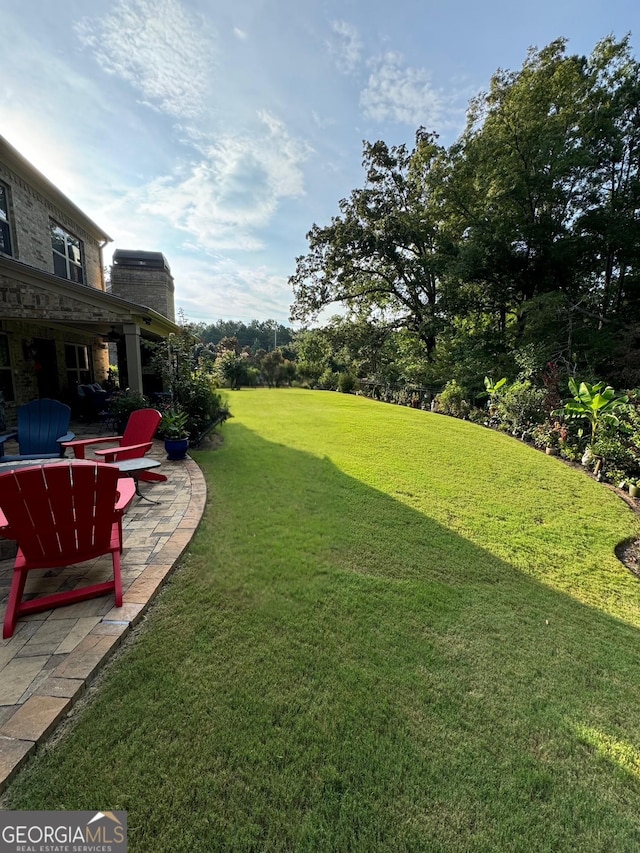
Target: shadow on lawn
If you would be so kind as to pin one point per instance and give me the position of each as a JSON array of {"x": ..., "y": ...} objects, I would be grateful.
[
  {"x": 518, "y": 700},
  {"x": 359, "y": 677}
]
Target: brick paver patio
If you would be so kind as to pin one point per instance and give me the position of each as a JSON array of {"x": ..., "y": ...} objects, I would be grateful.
[{"x": 52, "y": 656}]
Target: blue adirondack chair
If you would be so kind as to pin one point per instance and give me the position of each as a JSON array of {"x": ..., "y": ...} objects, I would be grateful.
[{"x": 42, "y": 427}]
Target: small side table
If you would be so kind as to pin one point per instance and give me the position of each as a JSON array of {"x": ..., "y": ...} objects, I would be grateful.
[{"x": 134, "y": 467}]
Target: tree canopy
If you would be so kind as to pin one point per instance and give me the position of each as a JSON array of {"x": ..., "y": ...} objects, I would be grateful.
[{"x": 522, "y": 235}]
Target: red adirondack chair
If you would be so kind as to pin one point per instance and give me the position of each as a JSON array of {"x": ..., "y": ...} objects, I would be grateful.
[
  {"x": 132, "y": 444},
  {"x": 60, "y": 514}
]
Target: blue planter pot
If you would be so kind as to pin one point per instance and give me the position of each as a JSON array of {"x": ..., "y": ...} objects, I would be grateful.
[{"x": 176, "y": 448}]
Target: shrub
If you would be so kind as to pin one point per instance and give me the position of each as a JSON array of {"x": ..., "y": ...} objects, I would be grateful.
[
  {"x": 328, "y": 381},
  {"x": 597, "y": 404},
  {"x": 521, "y": 406},
  {"x": 201, "y": 401},
  {"x": 346, "y": 383},
  {"x": 478, "y": 416},
  {"x": 184, "y": 368},
  {"x": 451, "y": 400},
  {"x": 122, "y": 403},
  {"x": 548, "y": 434}
]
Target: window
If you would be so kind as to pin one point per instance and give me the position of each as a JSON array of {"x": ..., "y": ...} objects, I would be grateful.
[
  {"x": 6, "y": 377},
  {"x": 5, "y": 234},
  {"x": 67, "y": 254},
  {"x": 76, "y": 359}
]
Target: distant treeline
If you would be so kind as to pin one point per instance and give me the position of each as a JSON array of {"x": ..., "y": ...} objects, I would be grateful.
[{"x": 257, "y": 335}]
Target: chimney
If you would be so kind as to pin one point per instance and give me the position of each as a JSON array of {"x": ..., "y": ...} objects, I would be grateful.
[{"x": 144, "y": 278}]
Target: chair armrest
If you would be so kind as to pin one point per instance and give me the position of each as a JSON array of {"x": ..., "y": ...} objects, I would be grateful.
[
  {"x": 126, "y": 493},
  {"x": 111, "y": 453},
  {"x": 79, "y": 444},
  {"x": 5, "y": 529},
  {"x": 68, "y": 436},
  {"x": 3, "y": 439}
]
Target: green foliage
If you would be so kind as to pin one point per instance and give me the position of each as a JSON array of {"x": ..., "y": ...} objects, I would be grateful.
[
  {"x": 202, "y": 402},
  {"x": 230, "y": 369},
  {"x": 494, "y": 387},
  {"x": 252, "y": 376},
  {"x": 514, "y": 247},
  {"x": 451, "y": 400},
  {"x": 328, "y": 381},
  {"x": 594, "y": 403},
  {"x": 404, "y": 583},
  {"x": 493, "y": 391},
  {"x": 618, "y": 445},
  {"x": 277, "y": 370},
  {"x": 174, "y": 423},
  {"x": 381, "y": 252},
  {"x": 346, "y": 383},
  {"x": 185, "y": 370},
  {"x": 477, "y": 416},
  {"x": 548, "y": 434},
  {"x": 122, "y": 403},
  {"x": 520, "y": 406}
]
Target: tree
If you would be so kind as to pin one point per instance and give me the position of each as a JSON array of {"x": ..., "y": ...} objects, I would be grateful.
[
  {"x": 608, "y": 223},
  {"x": 277, "y": 370},
  {"x": 379, "y": 258},
  {"x": 513, "y": 188},
  {"x": 523, "y": 235},
  {"x": 231, "y": 368}
]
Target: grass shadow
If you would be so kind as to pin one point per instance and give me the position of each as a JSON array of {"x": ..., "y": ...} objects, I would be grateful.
[{"x": 334, "y": 670}]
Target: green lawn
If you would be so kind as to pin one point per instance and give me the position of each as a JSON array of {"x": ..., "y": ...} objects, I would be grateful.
[{"x": 394, "y": 631}]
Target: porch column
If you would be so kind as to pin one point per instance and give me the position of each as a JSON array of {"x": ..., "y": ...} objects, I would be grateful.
[{"x": 134, "y": 361}]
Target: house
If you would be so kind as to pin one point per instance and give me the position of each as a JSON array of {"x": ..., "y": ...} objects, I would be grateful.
[{"x": 58, "y": 317}]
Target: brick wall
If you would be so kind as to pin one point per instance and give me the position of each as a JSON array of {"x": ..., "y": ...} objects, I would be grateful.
[
  {"x": 29, "y": 215},
  {"x": 145, "y": 286},
  {"x": 18, "y": 299},
  {"x": 24, "y": 370}
]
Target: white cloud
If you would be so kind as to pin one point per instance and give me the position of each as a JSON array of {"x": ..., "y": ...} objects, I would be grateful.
[
  {"x": 397, "y": 93},
  {"x": 241, "y": 34},
  {"x": 233, "y": 191},
  {"x": 346, "y": 48},
  {"x": 222, "y": 289},
  {"x": 319, "y": 121},
  {"x": 159, "y": 48}
]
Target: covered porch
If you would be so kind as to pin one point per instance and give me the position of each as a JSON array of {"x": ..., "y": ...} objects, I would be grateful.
[{"x": 56, "y": 334}]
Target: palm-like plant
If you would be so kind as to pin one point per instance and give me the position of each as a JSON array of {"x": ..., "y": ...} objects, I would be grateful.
[{"x": 595, "y": 403}]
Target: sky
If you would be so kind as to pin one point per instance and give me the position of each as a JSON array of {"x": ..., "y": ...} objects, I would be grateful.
[{"x": 220, "y": 131}]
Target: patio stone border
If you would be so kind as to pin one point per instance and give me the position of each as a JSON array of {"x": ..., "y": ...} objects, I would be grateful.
[{"x": 25, "y": 724}]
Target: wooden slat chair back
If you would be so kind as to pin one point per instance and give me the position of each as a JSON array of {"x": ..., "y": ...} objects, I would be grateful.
[
  {"x": 60, "y": 514},
  {"x": 42, "y": 427},
  {"x": 137, "y": 437},
  {"x": 135, "y": 441}
]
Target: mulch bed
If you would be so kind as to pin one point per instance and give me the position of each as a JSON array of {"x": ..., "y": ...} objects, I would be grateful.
[{"x": 628, "y": 553}]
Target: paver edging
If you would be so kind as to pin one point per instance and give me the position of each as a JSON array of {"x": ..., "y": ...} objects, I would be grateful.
[{"x": 16, "y": 751}]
